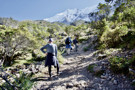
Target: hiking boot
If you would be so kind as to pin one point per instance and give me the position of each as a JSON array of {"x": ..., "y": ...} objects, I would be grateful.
[
  {"x": 50, "y": 78},
  {"x": 59, "y": 73}
]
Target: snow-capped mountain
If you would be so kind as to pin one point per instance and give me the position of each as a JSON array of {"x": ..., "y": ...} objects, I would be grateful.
[{"x": 72, "y": 15}]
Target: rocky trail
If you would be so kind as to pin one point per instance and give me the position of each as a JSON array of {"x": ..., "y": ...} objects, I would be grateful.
[{"x": 75, "y": 76}]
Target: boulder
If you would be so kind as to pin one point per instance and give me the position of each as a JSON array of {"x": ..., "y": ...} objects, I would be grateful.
[
  {"x": 115, "y": 82},
  {"x": 104, "y": 77},
  {"x": 69, "y": 85}
]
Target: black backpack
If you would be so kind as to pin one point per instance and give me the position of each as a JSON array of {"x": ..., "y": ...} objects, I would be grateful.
[{"x": 67, "y": 41}]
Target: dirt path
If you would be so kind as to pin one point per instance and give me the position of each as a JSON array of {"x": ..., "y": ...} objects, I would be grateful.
[
  {"x": 75, "y": 76},
  {"x": 74, "y": 73}
]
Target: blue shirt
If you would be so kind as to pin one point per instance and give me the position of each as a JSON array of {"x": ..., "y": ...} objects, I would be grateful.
[
  {"x": 68, "y": 45},
  {"x": 51, "y": 48}
]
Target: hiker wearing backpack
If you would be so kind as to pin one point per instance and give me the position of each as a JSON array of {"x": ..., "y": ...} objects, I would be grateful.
[
  {"x": 68, "y": 43},
  {"x": 75, "y": 43},
  {"x": 51, "y": 58}
]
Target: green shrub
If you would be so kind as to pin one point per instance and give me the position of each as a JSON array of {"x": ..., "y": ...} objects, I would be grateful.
[
  {"x": 129, "y": 15},
  {"x": 132, "y": 61},
  {"x": 38, "y": 55},
  {"x": 112, "y": 38},
  {"x": 102, "y": 46},
  {"x": 63, "y": 51},
  {"x": 60, "y": 57},
  {"x": 99, "y": 73},
  {"x": 129, "y": 40},
  {"x": 90, "y": 68},
  {"x": 85, "y": 49},
  {"x": 82, "y": 39},
  {"x": 119, "y": 33},
  {"x": 119, "y": 65},
  {"x": 24, "y": 82},
  {"x": 41, "y": 58}
]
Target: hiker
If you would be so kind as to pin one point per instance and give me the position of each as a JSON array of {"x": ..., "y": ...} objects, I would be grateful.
[
  {"x": 75, "y": 43},
  {"x": 51, "y": 58},
  {"x": 68, "y": 43}
]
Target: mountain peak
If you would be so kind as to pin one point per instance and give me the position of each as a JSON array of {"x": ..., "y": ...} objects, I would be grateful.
[{"x": 71, "y": 15}]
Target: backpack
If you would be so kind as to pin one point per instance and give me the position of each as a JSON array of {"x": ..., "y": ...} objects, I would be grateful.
[{"x": 67, "y": 41}]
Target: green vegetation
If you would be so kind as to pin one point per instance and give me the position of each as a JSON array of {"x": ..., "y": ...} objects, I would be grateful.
[
  {"x": 118, "y": 30},
  {"x": 22, "y": 62},
  {"x": 60, "y": 57},
  {"x": 90, "y": 68},
  {"x": 119, "y": 65},
  {"x": 96, "y": 73},
  {"x": 15, "y": 43},
  {"x": 20, "y": 42},
  {"x": 85, "y": 49},
  {"x": 82, "y": 39},
  {"x": 99, "y": 73},
  {"x": 24, "y": 82},
  {"x": 132, "y": 61},
  {"x": 23, "y": 40}
]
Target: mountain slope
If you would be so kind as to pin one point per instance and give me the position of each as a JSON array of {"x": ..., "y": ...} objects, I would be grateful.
[{"x": 71, "y": 15}]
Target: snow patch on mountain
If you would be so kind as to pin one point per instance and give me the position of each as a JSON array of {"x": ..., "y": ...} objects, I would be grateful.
[{"x": 71, "y": 15}]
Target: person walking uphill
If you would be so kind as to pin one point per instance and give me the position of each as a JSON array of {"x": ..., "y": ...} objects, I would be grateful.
[
  {"x": 75, "y": 43},
  {"x": 51, "y": 58},
  {"x": 68, "y": 45}
]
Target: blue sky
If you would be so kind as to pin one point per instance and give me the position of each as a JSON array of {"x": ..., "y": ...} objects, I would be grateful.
[{"x": 40, "y": 9}]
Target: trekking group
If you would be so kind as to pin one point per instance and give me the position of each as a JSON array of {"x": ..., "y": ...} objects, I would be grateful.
[
  {"x": 68, "y": 43},
  {"x": 51, "y": 53}
]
